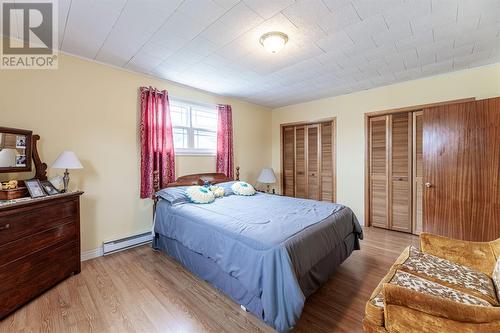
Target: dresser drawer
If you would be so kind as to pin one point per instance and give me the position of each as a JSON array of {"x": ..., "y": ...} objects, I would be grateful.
[
  {"x": 19, "y": 224},
  {"x": 24, "y": 279},
  {"x": 66, "y": 232}
]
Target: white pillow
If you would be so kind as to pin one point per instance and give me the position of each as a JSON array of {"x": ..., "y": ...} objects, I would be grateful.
[
  {"x": 243, "y": 188},
  {"x": 217, "y": 191},
  {"x": 200, "y": 194}
]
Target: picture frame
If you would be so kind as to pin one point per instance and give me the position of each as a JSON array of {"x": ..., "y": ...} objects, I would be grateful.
[
  {"x": 35, "y": 188},
  {"x": 49, "y": 188},
  {"x": 20, "y": 160},
  {"x": 21, "y": 141}
]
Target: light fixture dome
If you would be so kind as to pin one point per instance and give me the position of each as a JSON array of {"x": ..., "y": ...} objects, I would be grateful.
[{"x": 273, "y": 41}]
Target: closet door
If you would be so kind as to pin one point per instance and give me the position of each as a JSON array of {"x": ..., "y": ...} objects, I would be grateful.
[
  {"x": 462, "y": 170},
  {"x": 379, "y": 161},
  {"x": 313, "y": 157},
  {"x": 300, "y": 162},
  {"x": 400, "y": 169},
  {"x": 288, "y": 161},
  {"x": 418, "y": 171},
  {"x": 327, "y": 166}
]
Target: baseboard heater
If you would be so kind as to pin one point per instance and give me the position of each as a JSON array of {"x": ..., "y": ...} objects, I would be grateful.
[{"x": 126, "y": 243}]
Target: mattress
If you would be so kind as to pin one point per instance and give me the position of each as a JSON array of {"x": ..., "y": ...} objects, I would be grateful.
[{"x": 276, "y": 250}]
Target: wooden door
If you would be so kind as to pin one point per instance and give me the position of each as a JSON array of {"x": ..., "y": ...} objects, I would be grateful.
[
  {"x": 327, "y": 180},
  {"x": 313, "y": 162},
  {"x": 418, "y": 186},
  {"x": 288, "y": 161},
  {"x": 300, "y": 162},
  {"x": 379, "y": 161},
  {"x": 400, "y": 170},
  {"x": 461, "y": 159}
]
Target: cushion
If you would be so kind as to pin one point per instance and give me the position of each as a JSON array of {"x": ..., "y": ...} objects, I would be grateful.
[
  {"x": 200, "y": 194},
  {"x": 496, "y": 277},
  {"x": 413, "y": 282},
  {"x": 374, "y": 310},
  {"x": 243, "y": 188},
  {"x": 450, "y": 274},
  {"x": 227, "y": 187},
  {"x": 218, "y": 191},
  {"x": 174, "y": 195}
]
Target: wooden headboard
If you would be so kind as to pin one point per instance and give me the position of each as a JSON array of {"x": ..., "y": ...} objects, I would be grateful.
[{"x": 200, "y": 178}]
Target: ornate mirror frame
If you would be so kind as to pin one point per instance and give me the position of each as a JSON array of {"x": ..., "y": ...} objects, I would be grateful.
[
  {"x": 31, "y": 154},
  {"x": 29, "y": 147}
]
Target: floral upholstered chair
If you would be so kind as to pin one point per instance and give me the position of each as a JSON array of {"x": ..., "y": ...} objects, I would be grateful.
[{"x": 448, "y": 286}]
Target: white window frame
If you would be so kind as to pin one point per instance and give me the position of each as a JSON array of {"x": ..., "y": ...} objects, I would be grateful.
[{"x": 192, "y": 151}]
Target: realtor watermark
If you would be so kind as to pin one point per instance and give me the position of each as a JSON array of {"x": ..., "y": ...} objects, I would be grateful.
[{"x": 29, "y": 31}]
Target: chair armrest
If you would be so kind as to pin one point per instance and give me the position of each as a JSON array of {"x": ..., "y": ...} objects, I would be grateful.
[
  {"x": 437, "y": 306},
  {"x": 476, "y": 255}
]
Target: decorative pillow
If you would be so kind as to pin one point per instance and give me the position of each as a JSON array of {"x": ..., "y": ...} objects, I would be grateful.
[
  {"x": 200, "y": 194},
  {"x": 174, "y": 195},
  {"x": 227, "y": 187},
  {"x": 217, "y": 191},
  {"x": 243, "y": 188},
  {"x": 496, "y": 278}
]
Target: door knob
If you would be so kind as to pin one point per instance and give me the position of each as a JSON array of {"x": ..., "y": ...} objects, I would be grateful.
[{"x": 428, "y": 185}]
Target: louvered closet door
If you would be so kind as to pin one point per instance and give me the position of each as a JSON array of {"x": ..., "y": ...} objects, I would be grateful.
[
  {"x": 418, "y": 172},
  {"x": 313, "y": 155},
  {"x": 400, "y": 207},
  {"x": 300, "y": 162},
  {"x": 288, "y": 161},
  {"x": 327, "y": 162},
  {"x": 378, "y": 171}
]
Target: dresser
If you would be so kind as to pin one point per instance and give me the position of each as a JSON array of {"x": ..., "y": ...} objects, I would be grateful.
[{"x": 39, "y": 247}]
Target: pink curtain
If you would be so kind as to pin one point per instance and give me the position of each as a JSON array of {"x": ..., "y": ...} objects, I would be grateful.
[
  {"x": 225, "y": 141},
  {"x": 157, "y": 144}
]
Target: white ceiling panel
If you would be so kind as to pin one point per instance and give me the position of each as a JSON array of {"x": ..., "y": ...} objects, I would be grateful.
[
  {"x": 89, "y": 24},
  {"x": 138, "y": 20},
  {"x": 267, "y": 9},
  {"x": 232, "y": 24},
  {"x": 335, "y": 46}
]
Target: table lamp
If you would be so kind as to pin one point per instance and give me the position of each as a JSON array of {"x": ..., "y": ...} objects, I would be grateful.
[
  {"x": 267, "y": 177},
  {"x": 67, "y": 160}
]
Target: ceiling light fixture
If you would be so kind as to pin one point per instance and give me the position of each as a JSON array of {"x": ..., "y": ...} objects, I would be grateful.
[{"x": 273, "y": 41}]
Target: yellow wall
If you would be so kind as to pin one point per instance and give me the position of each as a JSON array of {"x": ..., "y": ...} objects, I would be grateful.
[
  {"x": 92, "y": 109},
  {"x": 349, "y": 109}
]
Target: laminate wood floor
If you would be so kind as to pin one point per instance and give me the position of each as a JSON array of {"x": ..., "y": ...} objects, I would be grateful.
[{"x": 140, "y": 290}]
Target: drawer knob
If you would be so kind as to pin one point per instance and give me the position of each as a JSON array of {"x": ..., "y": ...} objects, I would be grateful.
[{"x": 4, "y": 227}]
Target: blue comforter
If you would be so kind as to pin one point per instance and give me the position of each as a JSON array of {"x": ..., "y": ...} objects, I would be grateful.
[{"x": 264, "y": 241}]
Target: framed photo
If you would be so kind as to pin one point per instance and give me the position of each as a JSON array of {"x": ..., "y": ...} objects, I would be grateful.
[
  {"x": 20, "y": 160},
  {"x": 58, "y": 182},
  {"x": 35, "y": 188},
  {"x": 21, "y": 141},
  {"x": 49, "y": 188}
]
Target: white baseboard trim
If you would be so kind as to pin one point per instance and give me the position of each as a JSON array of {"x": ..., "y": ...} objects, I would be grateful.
[{"x": 91, "y": 254}]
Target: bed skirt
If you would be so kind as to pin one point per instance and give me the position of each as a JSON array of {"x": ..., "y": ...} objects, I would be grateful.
[{"x": 208, "y": 270}]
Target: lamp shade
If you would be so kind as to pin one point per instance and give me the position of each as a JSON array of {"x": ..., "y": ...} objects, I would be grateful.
[
  {"x": 7, "y": 158},
  {"x": 267, "y": 176},
  {"x": 67, "y": 160}
]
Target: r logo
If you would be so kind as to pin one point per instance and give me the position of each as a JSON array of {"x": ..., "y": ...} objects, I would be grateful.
[
  {"x": 34, "y": 27},
  {"x": 30, "y": 38}
]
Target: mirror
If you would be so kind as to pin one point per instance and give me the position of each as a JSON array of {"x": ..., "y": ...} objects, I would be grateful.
[{"x": 15, "y": 150}]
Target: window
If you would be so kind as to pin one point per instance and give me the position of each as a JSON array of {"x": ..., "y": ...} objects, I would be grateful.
[{"x": 194, "y": 127}]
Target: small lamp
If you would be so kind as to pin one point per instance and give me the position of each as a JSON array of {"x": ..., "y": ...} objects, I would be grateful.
[
  {"x": 267, "y": 177},
  {"x": 67, "y": 160}
]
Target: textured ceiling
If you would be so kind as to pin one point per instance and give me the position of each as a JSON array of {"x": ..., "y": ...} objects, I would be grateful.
[{"x": 335, "y": 46}]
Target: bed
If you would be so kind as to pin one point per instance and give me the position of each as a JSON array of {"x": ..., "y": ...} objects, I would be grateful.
[{"x": 267, "y": 252}]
